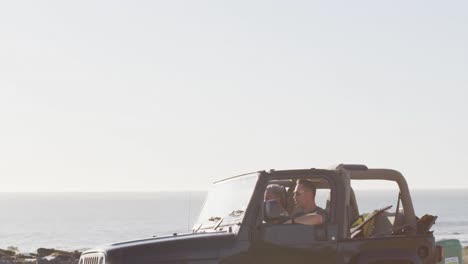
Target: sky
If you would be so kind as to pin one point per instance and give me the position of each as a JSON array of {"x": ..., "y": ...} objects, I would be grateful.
[{"x": 173, "y": 95}]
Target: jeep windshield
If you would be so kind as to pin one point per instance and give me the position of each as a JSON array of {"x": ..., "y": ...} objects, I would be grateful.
[{"x": 226, "y": 203}]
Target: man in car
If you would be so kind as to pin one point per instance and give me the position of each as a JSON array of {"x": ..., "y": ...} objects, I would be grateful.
[{"x": 309, "y": 212}]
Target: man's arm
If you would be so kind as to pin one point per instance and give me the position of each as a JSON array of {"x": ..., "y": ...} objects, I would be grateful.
[{"x": 309, "y": 219}]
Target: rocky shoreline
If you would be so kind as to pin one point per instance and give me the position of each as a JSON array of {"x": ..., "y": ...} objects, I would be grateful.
[
  {"x": 54, "y": 256},
  {"x": 42, "y": 256}
]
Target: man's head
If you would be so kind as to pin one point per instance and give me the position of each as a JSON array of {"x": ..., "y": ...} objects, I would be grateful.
[
  {"x": 304, "y": 194},
  {"x": 276, "y": 192}
]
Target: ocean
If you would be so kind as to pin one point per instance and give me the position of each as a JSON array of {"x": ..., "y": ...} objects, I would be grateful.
[{"x": 78, "y": 221}]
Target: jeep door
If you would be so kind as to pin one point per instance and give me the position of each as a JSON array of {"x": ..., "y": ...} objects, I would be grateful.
[
  {"x": 276, "y": 242},
  {"x": 295, "y": 243}
]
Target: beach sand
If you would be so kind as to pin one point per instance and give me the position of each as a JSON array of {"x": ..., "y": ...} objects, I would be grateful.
[{"x": 465, "y": 255}]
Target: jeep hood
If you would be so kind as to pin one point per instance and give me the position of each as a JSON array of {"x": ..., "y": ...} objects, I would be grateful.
[{"x": 198, "y": 246}]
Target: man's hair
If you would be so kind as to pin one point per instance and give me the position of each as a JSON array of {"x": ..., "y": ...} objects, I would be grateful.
[
  {"x": 308, "y": 185},
  {"x": 278, "y": 191}
]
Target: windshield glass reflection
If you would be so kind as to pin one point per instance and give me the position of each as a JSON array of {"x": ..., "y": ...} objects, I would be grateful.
[{"x": 226, "y": 203}]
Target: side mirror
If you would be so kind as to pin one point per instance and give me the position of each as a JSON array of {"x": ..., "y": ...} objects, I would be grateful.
[{"x": 272, "y": 210}]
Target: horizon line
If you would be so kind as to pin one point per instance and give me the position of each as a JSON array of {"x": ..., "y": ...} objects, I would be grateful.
[{"x": 206, "y": 190}]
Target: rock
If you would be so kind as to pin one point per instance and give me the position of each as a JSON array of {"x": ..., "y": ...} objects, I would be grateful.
[
  {"x": 42, "y": 252},
  {"x": 26, "y": 257},
  {"x": 12, "y": 248},
  {"x": 54, "y": 256},
  {"x": 43, "y": 256},
  {"x": 6, "y": 253}
]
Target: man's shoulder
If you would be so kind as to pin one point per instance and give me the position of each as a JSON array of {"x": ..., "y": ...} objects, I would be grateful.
[{"x": 318, "y": 211}]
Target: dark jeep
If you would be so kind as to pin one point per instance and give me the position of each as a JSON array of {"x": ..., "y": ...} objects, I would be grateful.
[{"x": 235, "y": 226}]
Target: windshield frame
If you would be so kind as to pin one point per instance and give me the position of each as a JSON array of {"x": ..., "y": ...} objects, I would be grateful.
[{"x": 233, "y": 219}]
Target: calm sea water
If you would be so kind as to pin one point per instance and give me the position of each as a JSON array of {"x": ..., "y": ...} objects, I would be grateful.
[{"x": 83, "y": 220}]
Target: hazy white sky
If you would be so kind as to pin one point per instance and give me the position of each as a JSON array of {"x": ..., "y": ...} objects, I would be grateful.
[{"x": 150, "y": 95}]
